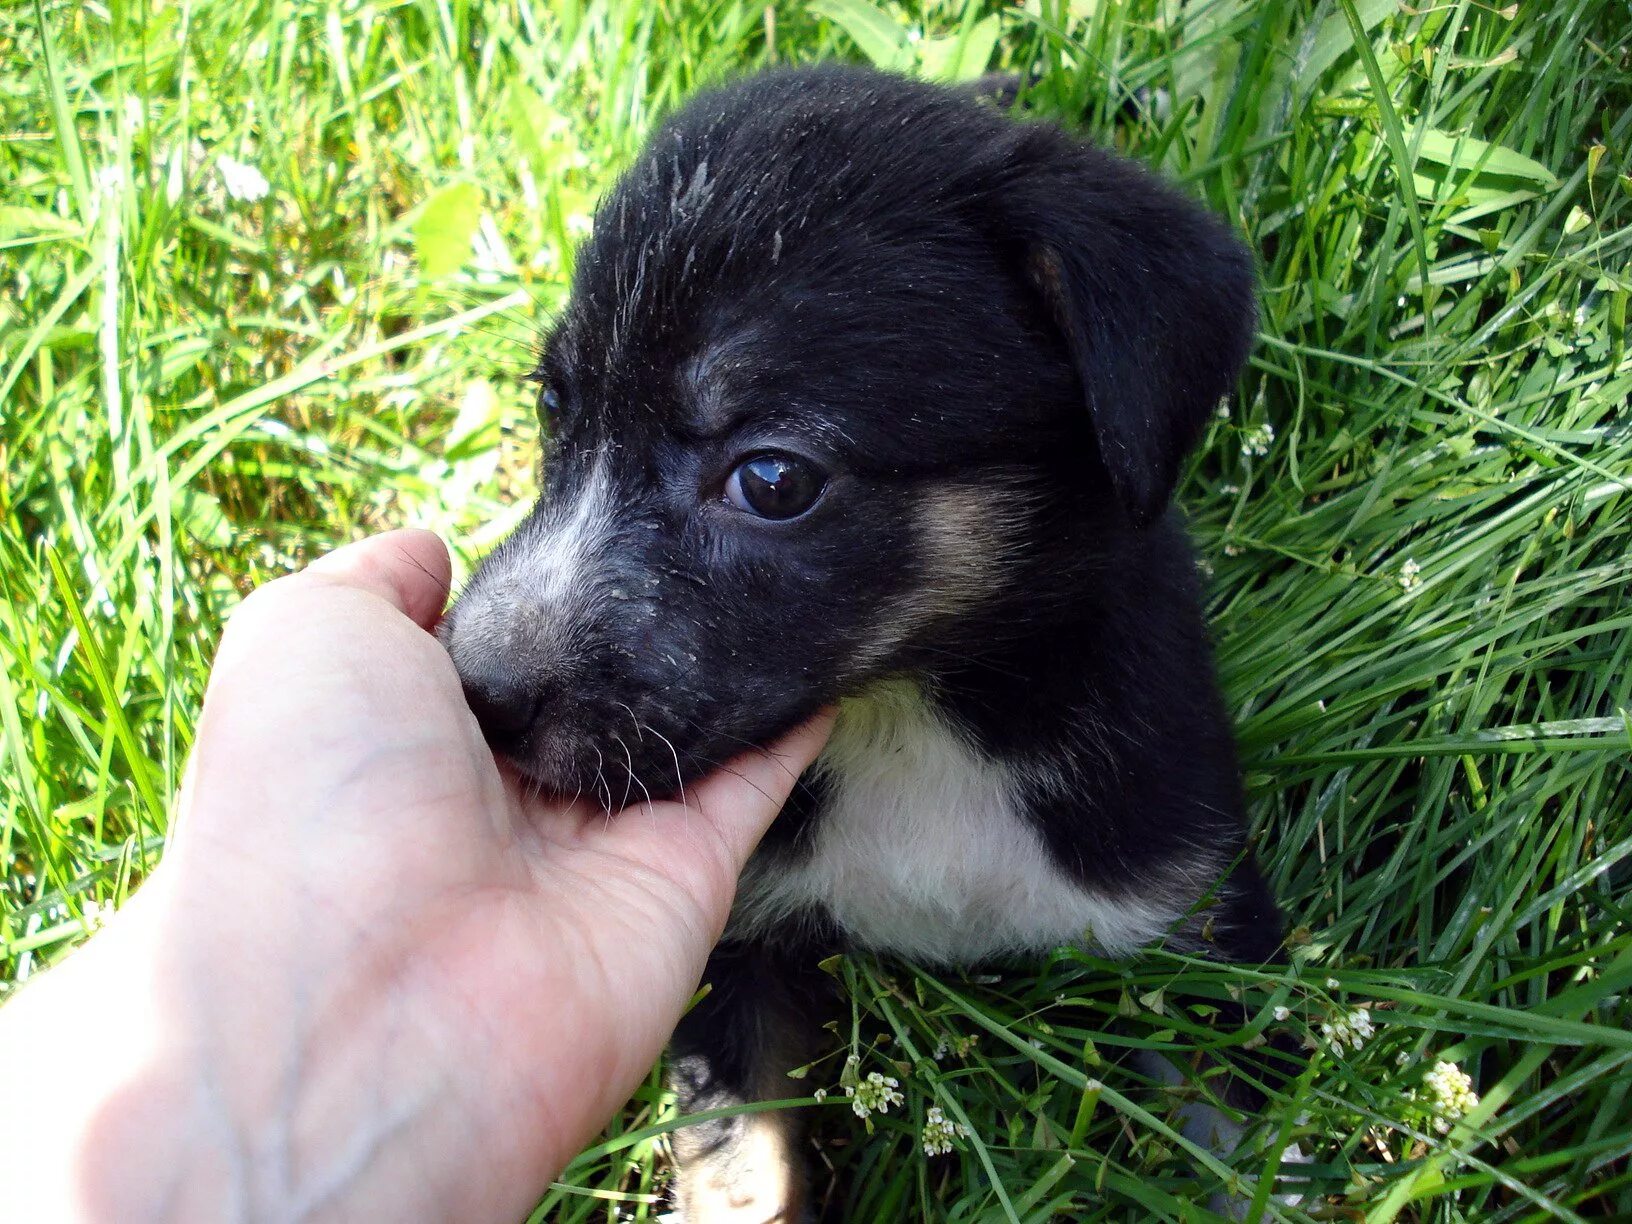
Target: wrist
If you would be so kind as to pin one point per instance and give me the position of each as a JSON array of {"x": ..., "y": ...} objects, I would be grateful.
[{"x": 203, "y": 1088}]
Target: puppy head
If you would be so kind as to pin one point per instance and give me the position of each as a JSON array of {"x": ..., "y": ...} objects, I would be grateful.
[{"x": 844, "y": 357}]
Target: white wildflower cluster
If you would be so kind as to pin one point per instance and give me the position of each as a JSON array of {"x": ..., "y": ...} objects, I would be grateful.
[
  {"x": 1410, "y": 576},
  {"x": 242, "y": 181},
  {"x": 1351, "y": 1028},
  {"x": 940, "y": 1132},
  {"x": 1448, "y": 1093},
  {"x": 874, "y": 1094},
  {"x": 1255, "y": 442}
]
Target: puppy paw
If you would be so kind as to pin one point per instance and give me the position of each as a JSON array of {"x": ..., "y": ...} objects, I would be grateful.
[{"x": 753, "y": 1178}]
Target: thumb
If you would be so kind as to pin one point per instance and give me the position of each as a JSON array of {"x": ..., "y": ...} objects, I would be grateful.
[
  {"x": 741, "y": 800},
  {"x": 408, "y": 568}
]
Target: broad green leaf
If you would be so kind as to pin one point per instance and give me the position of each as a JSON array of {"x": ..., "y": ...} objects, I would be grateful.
[
  {"x": 1465, "y": 153},
  {"x": 1473, "y": 199},
  {"x": 880, "y": 38},
  {"x": 1334, "y": 38},
  {"x": 34, "y": 224},
  {"x": 444, "y": 229},
  {"x": 962, "y": 56},
  {"x": 200, "y": 513}
]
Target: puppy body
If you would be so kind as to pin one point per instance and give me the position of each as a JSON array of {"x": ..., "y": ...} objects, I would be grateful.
[
  {"x": 867, "y": 394},
  {"x": 923, "y": 845}
]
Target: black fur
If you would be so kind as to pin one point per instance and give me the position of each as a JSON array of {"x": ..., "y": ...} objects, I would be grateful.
[{"x": 922, "y": 295}]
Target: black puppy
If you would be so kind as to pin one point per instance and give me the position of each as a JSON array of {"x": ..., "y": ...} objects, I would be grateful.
[{"x": 868, "y": 393}]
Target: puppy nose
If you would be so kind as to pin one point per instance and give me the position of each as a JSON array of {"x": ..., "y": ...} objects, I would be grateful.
[{"x": 506, "y": 704}]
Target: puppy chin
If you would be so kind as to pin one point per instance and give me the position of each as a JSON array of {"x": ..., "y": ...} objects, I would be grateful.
[
  {"x": 552, "y": 761},
  {"x": 568, "y": 764}
]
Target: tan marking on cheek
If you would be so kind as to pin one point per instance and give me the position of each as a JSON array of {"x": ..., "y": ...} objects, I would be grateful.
[{"x": 965, "y": 535}]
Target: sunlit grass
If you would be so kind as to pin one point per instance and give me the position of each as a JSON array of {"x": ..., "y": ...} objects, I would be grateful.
[{"x": 1416, "y": 513}]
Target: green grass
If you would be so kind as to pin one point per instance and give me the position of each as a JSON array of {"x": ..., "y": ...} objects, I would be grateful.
[{"x": 1421, "y": 584}]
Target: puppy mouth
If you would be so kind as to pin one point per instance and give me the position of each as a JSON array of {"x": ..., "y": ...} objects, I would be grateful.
[{"x": 610, "y": 771}]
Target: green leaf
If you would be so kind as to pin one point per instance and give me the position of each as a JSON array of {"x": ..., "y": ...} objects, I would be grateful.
[
  {"x": 1335, "y": 39},
  {"x": 18, "y": 221},
  {"x": 880, "y": 38},
  {"x": 962, "y": 56},
  {"x": 1470, "y": 153},
  {"x": 201, "y": 515},
  {"x": 443, "y": 231}
]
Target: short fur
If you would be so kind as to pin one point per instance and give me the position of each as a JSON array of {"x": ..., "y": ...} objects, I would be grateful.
[{"x": 1000, "y": 343}]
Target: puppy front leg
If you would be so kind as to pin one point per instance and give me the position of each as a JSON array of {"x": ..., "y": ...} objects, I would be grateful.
[{"x": 759, "y": 1021}]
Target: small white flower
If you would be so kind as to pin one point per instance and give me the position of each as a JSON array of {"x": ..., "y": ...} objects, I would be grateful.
[
  {"x": 1410, "y": 575},
  {"x": 820, "y": 1094},
  {"x": 1450, "y": 1094},
  {"x": 242, "y": 181},
  {"x": 1256, "y": 441},
  {"x": 875, "y": 1094},
  {"x": 1333, "y": 984},
  {"x": 1283, "y": 1013},
  {"x": 1348, "y": 1029},
  {"x": 1222, "y": 412},
  {"x": 940, "y": 1050},
  {"x": 940, "y": 1132}
]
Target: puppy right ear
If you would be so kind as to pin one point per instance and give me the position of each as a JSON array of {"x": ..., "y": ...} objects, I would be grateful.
[{"x": 1152, "y": 293}]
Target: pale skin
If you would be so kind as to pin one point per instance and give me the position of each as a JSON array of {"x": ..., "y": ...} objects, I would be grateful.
[{"x": 373, "y": 978}]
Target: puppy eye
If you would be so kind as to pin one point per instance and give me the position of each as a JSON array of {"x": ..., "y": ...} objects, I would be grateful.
[
  {"x": 549, "y": 402},
  {"x": 775, "y": 485}
]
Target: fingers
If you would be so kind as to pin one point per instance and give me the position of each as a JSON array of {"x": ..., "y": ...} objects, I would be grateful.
[
  {"x": 742, "y": 799},
  {"x": 338, "y": 647},
  {"x": 407, "y": 568}
]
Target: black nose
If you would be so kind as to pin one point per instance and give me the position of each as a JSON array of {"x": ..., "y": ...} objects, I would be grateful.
[{"x": 506, "y": 704}]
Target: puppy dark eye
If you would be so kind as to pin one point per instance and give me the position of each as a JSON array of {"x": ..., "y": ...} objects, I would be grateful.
[
  {"x": 775, "y": 485},
  {"x": 549, "y": 402}
]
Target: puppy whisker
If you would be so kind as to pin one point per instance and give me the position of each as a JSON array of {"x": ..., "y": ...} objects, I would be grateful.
[
  {"x": 679, "y": 779},
  {"x": 633, "y": 719},
  {"x": 710, "y": 764},
  {"x": 761, "y": 749},
  {"x": 629, "y": 766}
]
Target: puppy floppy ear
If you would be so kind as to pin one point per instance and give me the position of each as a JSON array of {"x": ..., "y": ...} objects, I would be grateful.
[{"x": 1153, "y": 295}]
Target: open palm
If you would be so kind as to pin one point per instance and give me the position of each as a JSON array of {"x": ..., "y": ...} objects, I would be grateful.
[{"x": 396, "y": 949}]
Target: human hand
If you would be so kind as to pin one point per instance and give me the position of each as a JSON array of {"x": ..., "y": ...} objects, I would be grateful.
[{"x": 373, "y": 978}]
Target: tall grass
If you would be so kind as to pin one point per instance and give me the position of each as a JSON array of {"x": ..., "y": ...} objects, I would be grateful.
[{"x": 1416, "y": 514}]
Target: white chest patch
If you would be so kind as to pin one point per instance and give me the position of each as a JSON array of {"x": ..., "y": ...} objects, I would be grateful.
[{"x": 921, "y": 849}]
